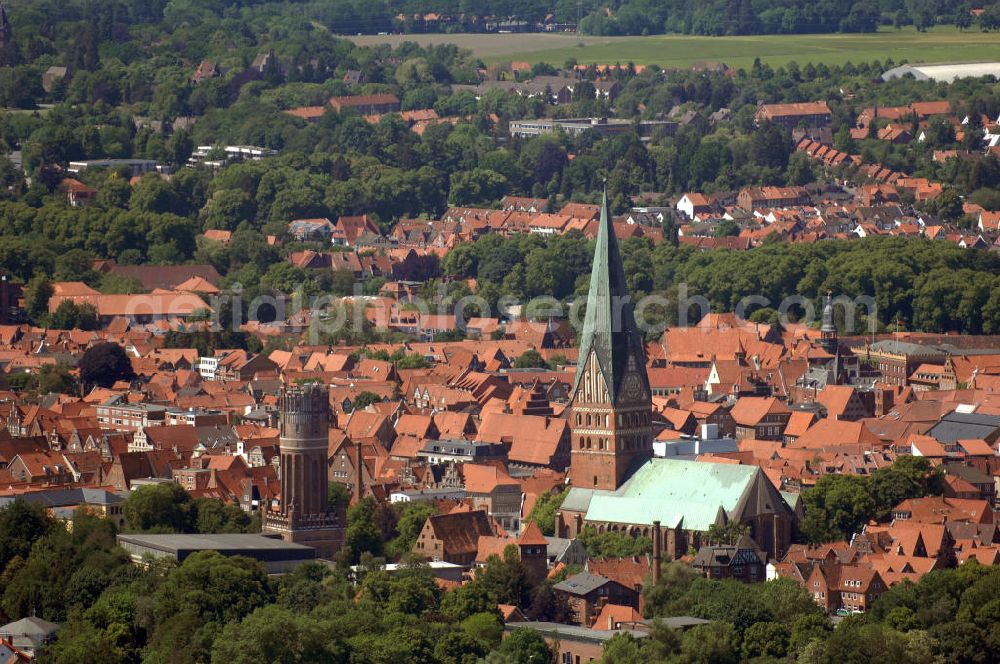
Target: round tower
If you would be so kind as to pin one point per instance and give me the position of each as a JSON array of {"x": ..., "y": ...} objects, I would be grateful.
[{"x": 303, "y": 515}]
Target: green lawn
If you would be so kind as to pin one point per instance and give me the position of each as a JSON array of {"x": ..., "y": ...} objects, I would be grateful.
[{"x": 942, "y": 44}]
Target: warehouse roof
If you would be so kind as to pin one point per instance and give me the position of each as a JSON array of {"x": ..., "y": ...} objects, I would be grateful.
[{"x": 944, "y": 72}]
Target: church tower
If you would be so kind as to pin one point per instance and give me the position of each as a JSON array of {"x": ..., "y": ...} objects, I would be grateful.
[
  {"x": 828, "y": 331},
  {"x": 611, "y": 404},
  {"x": 303, "y": 515}
]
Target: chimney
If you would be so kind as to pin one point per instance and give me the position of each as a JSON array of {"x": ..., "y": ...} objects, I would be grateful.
[{"x": 657, "y": 551}]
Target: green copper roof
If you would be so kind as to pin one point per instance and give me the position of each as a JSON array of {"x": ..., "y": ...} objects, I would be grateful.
[
  {"x": 670, "y": 490},
  {"x": 609, "y": 326}
]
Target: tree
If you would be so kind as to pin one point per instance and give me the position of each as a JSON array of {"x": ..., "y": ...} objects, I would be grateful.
[
  {"x": 71, "y": 316},
  {"x": 544, "y": 511},
  {"x": 714, "y": 643},
  {"x": 480, "y": 186},
  {"x": 211, "y": 587},
  {"x": 807, "y": 628},
  {"x": 728, "y": 533},
  {"x": 485, "y": 627},
  {"x": 163, "y": 508},
  {"x": 726, "y": 228},
  {"x": 342, "y": 282},
  {"x": 412, "y": 361},
  {"x": 227, "y": 209},
  {"x": 36, "y": 297},
  {"x": 675, "y": 580},
  {"x": 365, "y": 399},
  {"x": 275, "y": 634},
  {"x": 624, "y": 649},
  {"x": 505, "y": 580},
  {"x": 908, "y": 477},
  {"x": 118, "y": 284},
  {"x": 789, "y": 601},
  {"x": 21, "y": 525},
  {"x": 766, "y": 639},
  {"x": 800, "y": 171},
  {"x": 363, "y": 534},
  {"x": 114, "y": 192},
  {"x": 525, "y": 646},
  {"x": 55, "y": 378},
  {"x": 458, "y": 648},
  {"x": 462, "y": 261},
  {"x": 412, "y": 517},
  {"x": 836, "y": 507},
  {"x": 770, "y": 146},
  {"x": 613, "y": 544},
  {"x": 214, "y": 516},
  {"x": 530, "y": 359},
  {"x": 104, "y": 364},
  {"x": 337, "y": 497}
]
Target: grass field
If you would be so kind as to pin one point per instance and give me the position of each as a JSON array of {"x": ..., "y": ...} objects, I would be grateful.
[{"x": 942, "y": 44}]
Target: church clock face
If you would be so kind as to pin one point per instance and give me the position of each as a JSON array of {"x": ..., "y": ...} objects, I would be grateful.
[
  {"x": 632, "y": 387},
  {"x": 632, "y": 384}
]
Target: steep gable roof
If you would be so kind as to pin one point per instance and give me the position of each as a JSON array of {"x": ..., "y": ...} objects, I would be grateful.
[
  {"x": 749, "y": 411},
  {"x": 460, "y": 531}
]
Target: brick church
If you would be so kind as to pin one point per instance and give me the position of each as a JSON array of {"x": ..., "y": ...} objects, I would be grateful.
[{"x": 617, "y": 484}]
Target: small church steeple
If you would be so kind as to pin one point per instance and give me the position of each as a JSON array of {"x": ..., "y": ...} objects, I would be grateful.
[
  {"x": 828, "y": 331},
  {"x": 611, "y": 400}
]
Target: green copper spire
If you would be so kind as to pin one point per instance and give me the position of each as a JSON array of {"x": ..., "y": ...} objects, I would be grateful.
[{"x": 609, "y": 328}]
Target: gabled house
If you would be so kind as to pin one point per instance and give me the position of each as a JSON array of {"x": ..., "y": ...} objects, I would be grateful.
[
  {"x": 742, "y": 561},
  {"x": 587, "y": 594},
  {"x": 454, "y": 537},
  {"x": 760, "y": 418}
]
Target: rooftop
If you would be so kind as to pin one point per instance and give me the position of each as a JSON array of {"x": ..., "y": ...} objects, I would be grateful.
[
  {"x": 178, "y": 543},
  {"x": 670, "y": 491},
  {"x": 582, "y": 583},
  {"x": 944, "y": 72}
]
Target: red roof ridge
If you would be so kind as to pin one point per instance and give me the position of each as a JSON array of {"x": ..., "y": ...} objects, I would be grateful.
[{"x": 532, "y": 536}]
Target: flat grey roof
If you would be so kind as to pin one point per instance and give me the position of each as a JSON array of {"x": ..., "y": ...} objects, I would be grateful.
[
  {"x": 906, "y": 348},
  {"x": 582, "y": 583},
  {"x": 678, "y": 622},
  {"x": 944, "y": 72},
  {"x": 229, "y": 542},
  {"x": 964, "y": 426},
  {"x": 67, "y": 497}
]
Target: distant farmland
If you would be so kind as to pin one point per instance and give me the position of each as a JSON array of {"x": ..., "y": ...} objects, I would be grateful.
[{"x": 943, "y": 44}]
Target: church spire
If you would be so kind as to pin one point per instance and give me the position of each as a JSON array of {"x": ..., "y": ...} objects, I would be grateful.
[
  {"x": 609, "y": 328},
  {"x": 611, "y": 405}
]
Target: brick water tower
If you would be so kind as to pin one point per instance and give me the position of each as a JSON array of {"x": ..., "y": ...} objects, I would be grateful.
[{"x": 303, "y": 515}]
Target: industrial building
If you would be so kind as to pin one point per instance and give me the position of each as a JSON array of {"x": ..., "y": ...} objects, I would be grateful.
[
  {"x": 277, "y": 555},
  {"x": 944, "y": 73}
]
